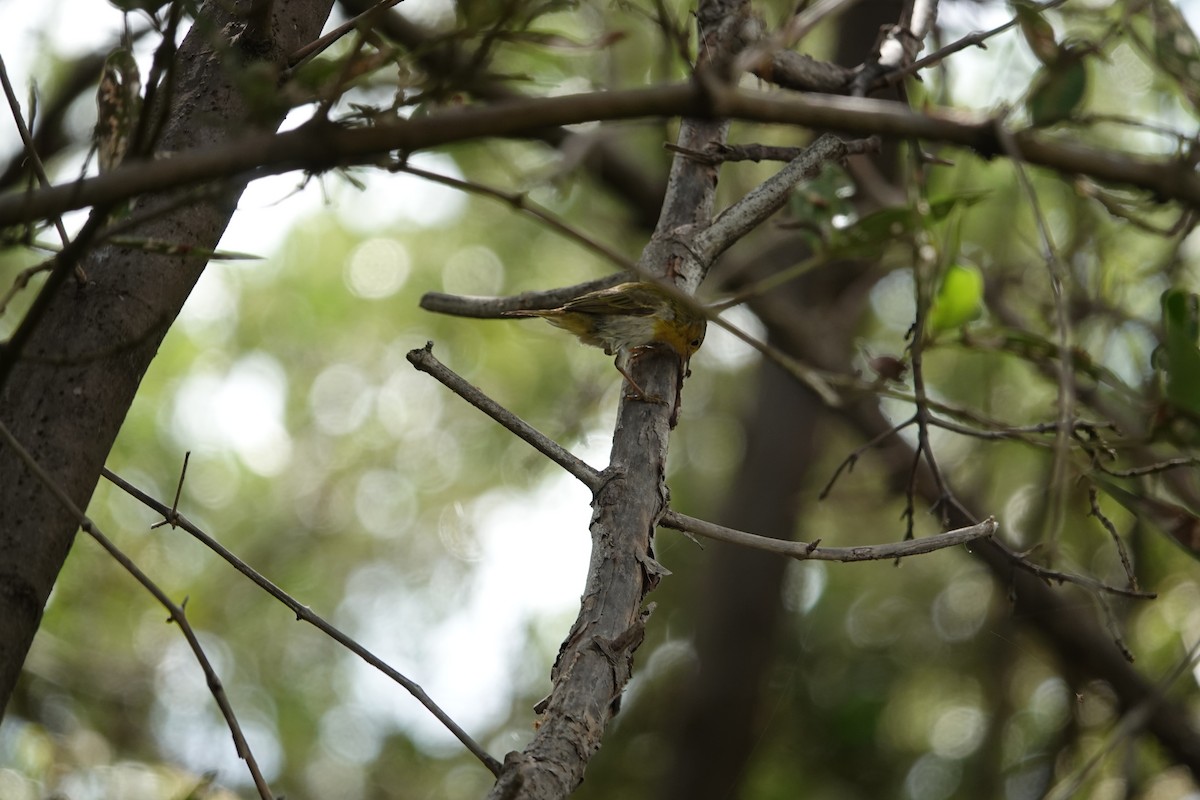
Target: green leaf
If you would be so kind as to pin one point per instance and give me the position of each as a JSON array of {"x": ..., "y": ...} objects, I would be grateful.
[
  {"x": 1180, "y": 355},
  {"x": 1058, "y": 89},
  {"x": 1038, "y": 33},
  {"x": 873, "y": 232},
  {"x": 959, "y": 299}
]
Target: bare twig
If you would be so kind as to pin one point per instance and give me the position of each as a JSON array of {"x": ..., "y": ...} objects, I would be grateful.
[
  {"x": 521, "y": 202},
  {"x": 1021, "y": 432},
  {"x": 1133, "y": 720},
  {"x": 166, "y": 520},
  {"x": 803, "y": 551},
  {"x": 1057, "y": 273},
  {"x": 849, "y": 461},
  {"x": 756, "y": 58},
  {"x": 974, "y": 39},
  {"x": 21, "y": 281},
  {"x": 176, "y": 520},
  {"x": 1057, "y": 576},
  {"x": 317, "y": 46},
  {"x": 1150, "y": 469},
  {"x": 423, "y": 359},
  {"x": 39, "y": 169},
  {"x": 766, "y": 198},
  {"x": 1106, "y": 523},
  {"x": 64, "y": 262},
  {"x": 176, "y": 612}
]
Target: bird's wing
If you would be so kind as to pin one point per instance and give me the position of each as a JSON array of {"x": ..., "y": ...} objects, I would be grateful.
[{"x": 627, "y": 299}]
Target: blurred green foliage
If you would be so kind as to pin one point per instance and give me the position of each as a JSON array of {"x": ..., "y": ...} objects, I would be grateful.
[{"x": 386, "y": 504}]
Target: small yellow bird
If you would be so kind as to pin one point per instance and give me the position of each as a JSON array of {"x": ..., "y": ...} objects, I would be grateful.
[{"x": 628, "y": 317}]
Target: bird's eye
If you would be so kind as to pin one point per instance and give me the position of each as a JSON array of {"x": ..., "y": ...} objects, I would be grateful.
[{"x": 696, "y": 343}]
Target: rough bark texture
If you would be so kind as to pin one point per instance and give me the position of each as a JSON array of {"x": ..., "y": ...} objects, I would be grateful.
[{"x": 68, "y": 394}]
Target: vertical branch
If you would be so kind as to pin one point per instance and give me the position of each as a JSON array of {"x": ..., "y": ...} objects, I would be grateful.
[{"x": 596, "y": 660}]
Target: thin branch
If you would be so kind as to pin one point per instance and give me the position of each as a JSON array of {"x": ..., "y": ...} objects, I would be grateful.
[
  {"x": 1150, "y": 469},
  {"x": 64, "y": 262},
  {"x": 1023, "y": 433},
  {"x": 423, "y": 359},
  {"x": 758, "y": 58},
  {"x": 521, "y": 202},
  {"x": 317, "y": 46},
  {"x": 176, "y": 612},
  {"x": 802, "y": 551},
  {"x": 174, "y": 511},
  {"x": 1106, "y": 523},
  {"x": 765, "y": 199},
  {"x": 39, "y": 169},
  {"x": 1057, "y": 273},
  {"x": 22, "y": 280},
  {"x": 899, "y": 44},
  {"x": 1134, "y": 719},
  {"x": 849, "y": 461},
  {"x": 303, "y": 612},
  {"x": 1057, "y": 576},
  {"x": 923, "y": 298},
  {"x": 973, "y": 39}
]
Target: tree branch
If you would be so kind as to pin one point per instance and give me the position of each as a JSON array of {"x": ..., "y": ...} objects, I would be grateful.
[
  {"x": 423, "y": 359},
  {"x": 320, "y": 147},
  {"x": 176, "y": 612},
  {"x": 803, "y": 551},
  {"x": 173, "y": 518}
]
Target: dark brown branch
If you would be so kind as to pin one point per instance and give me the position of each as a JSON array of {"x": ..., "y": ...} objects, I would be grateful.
[{"x": 318, "y": 147}]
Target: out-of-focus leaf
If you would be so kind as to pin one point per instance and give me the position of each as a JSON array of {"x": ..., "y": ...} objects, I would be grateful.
[
  {"x": 1180, "y": 355},
  {"x": 1177, "y": 48},
  {"x": 940, "y": 208},
  {"x": 118, "y": 105},
  {"x": 1038, "y": 33},
  {"x": 561, "y": 42},
  {"x": 1178, "y": 523},
  {"x": 873, "y": 232},
  {"x": 959, "y": 299},
  {"x": 1058, "y": 89}
]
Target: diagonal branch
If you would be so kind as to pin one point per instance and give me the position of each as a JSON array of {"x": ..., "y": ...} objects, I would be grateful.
[
  {"x": 176, "y": 612},
  {"x": 173, "y": 518},
  {"x": 423, "y": 359}
]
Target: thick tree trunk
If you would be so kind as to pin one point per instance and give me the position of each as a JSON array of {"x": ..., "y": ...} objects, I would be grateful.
[{"x": 68, "y": 393}]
